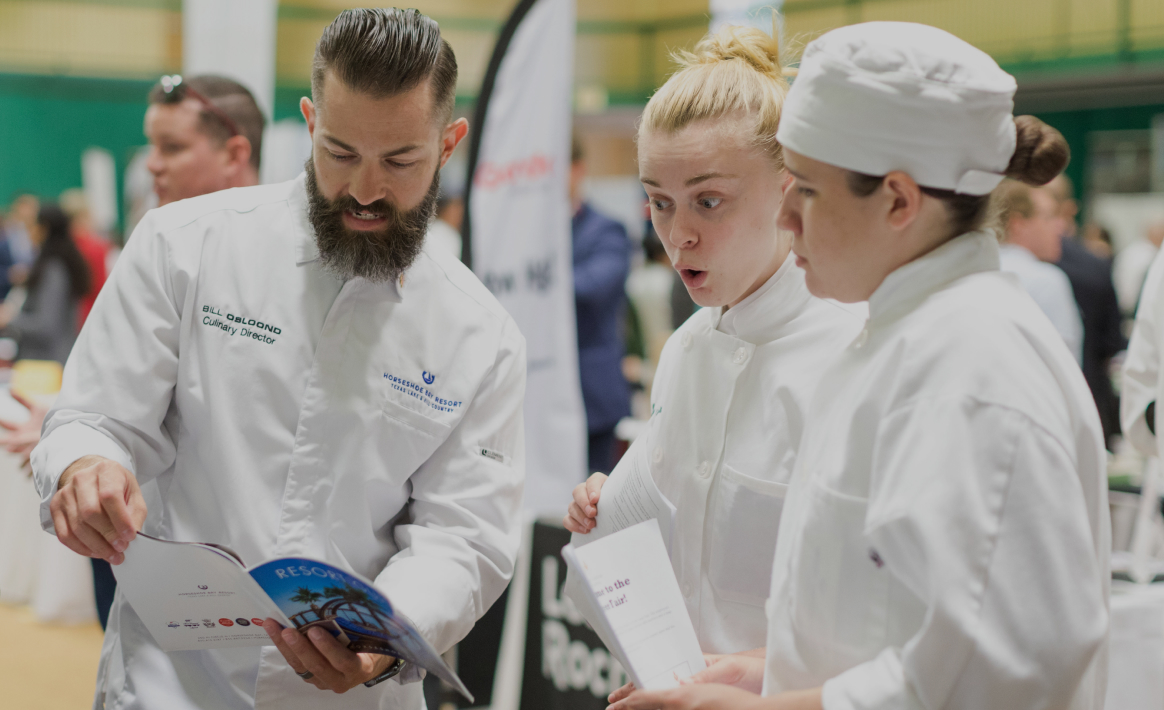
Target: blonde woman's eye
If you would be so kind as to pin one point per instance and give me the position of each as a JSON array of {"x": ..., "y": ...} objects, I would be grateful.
[
  {"x": 710, "y": 202},
  {"x": 660, "y": 204}
]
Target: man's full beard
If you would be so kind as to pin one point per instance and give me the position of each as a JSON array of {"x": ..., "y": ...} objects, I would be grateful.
[{"x": 379, "y": 255}]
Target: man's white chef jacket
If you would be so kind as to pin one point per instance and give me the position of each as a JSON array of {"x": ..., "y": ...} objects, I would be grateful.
[
  {"x": 945, "y": 541},
  {"x": 266, "y": 405}
]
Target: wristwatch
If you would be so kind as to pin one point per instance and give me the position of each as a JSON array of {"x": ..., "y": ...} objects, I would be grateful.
[{"x": 391, "y": 672}]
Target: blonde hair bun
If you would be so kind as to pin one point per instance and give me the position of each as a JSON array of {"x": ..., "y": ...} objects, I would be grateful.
[
  {"x": 733, "y": 72},
  {"x": 748, "y": 44}
]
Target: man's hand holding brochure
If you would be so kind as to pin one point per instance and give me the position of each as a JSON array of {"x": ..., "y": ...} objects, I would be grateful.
[{"x": 195, "y": 596}]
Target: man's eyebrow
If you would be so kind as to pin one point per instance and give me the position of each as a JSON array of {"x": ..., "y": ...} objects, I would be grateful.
[
  {"x": 389, "y": 154},
  {"x": 795, "y": 174},
  {"x": 649, "y": 181}
]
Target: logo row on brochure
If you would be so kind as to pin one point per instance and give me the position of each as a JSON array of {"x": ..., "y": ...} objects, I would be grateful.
[{"x": 209, "y": 623}]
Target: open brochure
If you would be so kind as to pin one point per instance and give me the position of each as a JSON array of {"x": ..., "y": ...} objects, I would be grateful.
[
  {"x": 194, "y": 596},
  {"x": 639, "y": 611}
]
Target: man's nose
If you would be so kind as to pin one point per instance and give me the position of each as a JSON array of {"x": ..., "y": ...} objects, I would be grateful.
[
  {"x": 154, "y": 162},
  {"x": 367, "y": 186}
]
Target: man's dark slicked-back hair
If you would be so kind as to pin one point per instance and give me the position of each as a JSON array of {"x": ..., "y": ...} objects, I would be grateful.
[{"x": 384, "y": 52}]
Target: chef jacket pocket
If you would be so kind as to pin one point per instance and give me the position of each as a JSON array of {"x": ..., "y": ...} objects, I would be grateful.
[
  {"x": 744, "y": 522},
  {"x": 840, "y": 588},
  {"x": 413, "y": 436}
]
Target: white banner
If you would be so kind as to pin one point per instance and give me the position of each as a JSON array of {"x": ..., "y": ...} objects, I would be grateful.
[{"x": 521, "y": 244}]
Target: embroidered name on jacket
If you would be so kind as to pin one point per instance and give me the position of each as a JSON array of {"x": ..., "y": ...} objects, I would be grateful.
[{"x": 423, "y": 393}]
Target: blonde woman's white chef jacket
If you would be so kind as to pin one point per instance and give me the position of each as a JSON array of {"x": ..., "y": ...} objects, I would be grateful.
[
  {"x": 271, "y": 407},
  {"x": 1142, "y": 384},
  {"x": 945, "y": 540},
  {"x": 729, "y": 402}
]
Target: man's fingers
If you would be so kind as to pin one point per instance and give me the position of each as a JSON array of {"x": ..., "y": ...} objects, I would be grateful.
[
  {"x": 91, "y": 511},
  {"x": 113, "y": 490},
  {"x": 274, "y": 630},
  {"x": 65, "y": 533},
  {"x": 621, "y": 693},
  {"x": 312, "y": 659},
  {"x": 80, "y": 531},
  {"x": 343, "y": 660}
]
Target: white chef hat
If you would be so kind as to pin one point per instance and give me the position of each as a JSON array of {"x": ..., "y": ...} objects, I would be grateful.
[{"x": 882, "y": 96}]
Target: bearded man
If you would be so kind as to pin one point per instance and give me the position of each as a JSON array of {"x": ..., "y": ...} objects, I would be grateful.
[{"x": 290, "y": 370}]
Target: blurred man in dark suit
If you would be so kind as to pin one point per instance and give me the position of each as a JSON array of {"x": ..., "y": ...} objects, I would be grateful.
[
  {"x": 601, "y": 266},
  {"x": 1091, "y": 282}
]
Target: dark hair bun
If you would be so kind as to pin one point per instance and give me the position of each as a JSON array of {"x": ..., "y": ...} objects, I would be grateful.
[{"x": 1040, "y": 152}]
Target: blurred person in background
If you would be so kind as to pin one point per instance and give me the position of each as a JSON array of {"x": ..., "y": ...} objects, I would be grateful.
[
  {"x": 1032, "y": 242},
  {"x": 601, "y": 266},
  {"x": 1130, "y": 267},
  {"x": 445, "y": 228},
  {"x": 19, "y": 226},
  {"x": 1098, "y": 241},
  {"x": 92, "y": 246},
  {"x": 6, "y": 260},
  {"x": 46, "y": 325},
  {"x": 205, "y": 135},
  {"x": 649, "y": 288},
  {"x": 1091, "y": 283}
]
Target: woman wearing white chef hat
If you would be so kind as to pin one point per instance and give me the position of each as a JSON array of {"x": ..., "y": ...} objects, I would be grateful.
[{"x": 945, "y": 539}]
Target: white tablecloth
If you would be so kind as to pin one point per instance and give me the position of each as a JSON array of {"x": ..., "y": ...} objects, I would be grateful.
[{"x": 34, "y": 567}]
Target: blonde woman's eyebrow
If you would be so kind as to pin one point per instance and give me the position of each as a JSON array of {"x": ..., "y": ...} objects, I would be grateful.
[{"x": 705, "y": 177}]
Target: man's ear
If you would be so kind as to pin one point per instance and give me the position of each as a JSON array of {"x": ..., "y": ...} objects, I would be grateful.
[
  {"x": 238, "y": 149},
  {"x": 454, "y": 133},
  {"x": 308, "y": 110},
  {"x": 905, "y": 199}
]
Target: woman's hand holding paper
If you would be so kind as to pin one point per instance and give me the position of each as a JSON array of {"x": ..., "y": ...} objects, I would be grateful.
[
  {"x": 580, "y": 518},
  {"x": 714, "y": 696}
]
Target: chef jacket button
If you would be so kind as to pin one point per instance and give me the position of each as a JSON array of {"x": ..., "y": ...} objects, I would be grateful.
[
  {"x": 861, "y": 338},
  {"x": 740, "y": 355},
  {"x": 687, "y": 590},
  {"x": 686, "y": 341},
  {"x": 658, "y": 455},
  {"x": 704, "y": 469}
]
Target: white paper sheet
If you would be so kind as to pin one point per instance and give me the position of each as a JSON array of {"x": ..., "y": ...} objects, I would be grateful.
[{"x": 628, "y": 578}]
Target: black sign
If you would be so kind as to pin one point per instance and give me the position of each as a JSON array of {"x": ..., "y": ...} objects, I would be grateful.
[{"x": 566, "y": 666}]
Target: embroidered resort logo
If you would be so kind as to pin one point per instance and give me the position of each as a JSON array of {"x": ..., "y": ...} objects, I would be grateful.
[{"x": 422, "y": 392}]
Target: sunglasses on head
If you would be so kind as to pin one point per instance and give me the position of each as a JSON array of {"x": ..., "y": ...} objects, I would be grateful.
[{"x": 175, "y": 92}]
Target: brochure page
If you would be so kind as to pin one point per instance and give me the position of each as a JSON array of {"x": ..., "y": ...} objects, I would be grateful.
[
  {"x": 629, "y": 580},
  {"x": 629, "y": 497},
  {"x": 193, "y": 597},
  {"x": 311, "y": 593}
]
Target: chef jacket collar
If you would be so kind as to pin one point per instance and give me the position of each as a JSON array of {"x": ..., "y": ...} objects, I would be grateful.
[
  {"x": 308, "y": 250},
  {"x": 758, "y": 317},
  {"x": 902, "y": 290}
]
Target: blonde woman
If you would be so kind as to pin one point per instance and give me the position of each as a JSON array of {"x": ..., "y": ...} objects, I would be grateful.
[
  {"x": 946, "y": 538},
  {"x": 730, "y": 396}
]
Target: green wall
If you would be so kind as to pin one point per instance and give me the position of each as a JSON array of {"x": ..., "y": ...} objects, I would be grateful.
[{"x": 47, "y": 122}]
